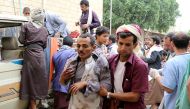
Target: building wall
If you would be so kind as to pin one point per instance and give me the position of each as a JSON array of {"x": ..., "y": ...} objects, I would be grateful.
[{"x": 69, "y": 10}]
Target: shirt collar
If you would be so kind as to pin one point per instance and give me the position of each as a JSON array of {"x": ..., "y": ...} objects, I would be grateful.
[
  {"x": 85, "y": 12},
  {"x": 97, "y": 45},
  {"x": 129, "y": 60}
]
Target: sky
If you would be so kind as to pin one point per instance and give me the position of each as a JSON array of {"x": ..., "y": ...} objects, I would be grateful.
[{"x": 183, "y": 22}]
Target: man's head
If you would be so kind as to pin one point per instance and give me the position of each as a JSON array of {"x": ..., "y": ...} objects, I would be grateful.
[
  {"x": 167, "y": 41},
  {"x": 38, "y": 16},
  {"x": 127, "y": 39},
  {"x": 111, "y": 39},
  {"x": 153, "y": 40},
  {"x": 84, "y": 5},
  {"x": 163, "y": 55},
  {"x": 85, "y": 46},
  {"x": 26, "y": 11},
  {"x": 102, "y": 35},
  {"x": 146, "y": 41},
  {"x": 188, "y": 47},
  {"x": 68, "y": 41},
  {"x": 180, "y": 41}
]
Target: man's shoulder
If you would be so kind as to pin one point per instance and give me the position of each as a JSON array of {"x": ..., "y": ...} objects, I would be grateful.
[
  {"x": 64, "y": 54},
  {"x": 178, "y": 59},
  {"x": 73, "y": 59},
  {"x": 65, "y": 51},
  {"x": 93, "y": 12},
  {"x": 113, "y": 57},
  {"x": 138, "y": 62},
  {"x": 102, "y": 60}
]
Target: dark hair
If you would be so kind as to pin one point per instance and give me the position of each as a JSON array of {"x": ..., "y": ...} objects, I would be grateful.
[
  {"x": 101, "y": 30},
  {"x": 127, "y": 34},
  {"x": 156, "y": 39},
  {"x": 163, "y": 53},
  {"x": 170, "y": 35},
  {"x": 26, "y": 9},
  {"x": 180, "y": 40},
  {"x": 112, "y": 38},
  {"x": 68, "y": 41},
  {"x": 92, "y": 39},
  {"x": 84, "y": 2}
]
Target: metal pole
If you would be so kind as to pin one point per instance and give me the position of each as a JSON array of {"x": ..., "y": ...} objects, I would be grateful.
[
  {"x": 14, "y": 7},
  {"x": 110, "y": 17},
  {"x": 43, "y": 4},
  {"x": 20, "y": 1}
]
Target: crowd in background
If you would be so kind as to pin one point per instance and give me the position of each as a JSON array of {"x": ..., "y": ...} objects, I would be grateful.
[{"x": 103, "y": 71}]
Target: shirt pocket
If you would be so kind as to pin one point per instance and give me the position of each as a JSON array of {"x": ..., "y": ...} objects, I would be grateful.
[{"x": 127, "y": 85}]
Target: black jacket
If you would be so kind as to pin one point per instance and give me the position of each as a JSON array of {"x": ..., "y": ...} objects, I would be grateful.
[{"x": 154, "y": 61}]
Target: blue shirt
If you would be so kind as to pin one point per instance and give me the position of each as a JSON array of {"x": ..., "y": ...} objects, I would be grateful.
[
  {"x": 59, "y": 60},
  {"x": 55, "y": 24},
  {"x": 173, "y": 73}
]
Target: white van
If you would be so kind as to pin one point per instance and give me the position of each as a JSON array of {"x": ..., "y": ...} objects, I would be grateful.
[{"x": 10, "y": 62}]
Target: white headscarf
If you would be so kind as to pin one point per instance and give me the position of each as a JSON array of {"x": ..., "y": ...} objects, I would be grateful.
[
  {"x": 136, "y": 30},
  {"x": 37, "y": 17},
  {"x": 132, "y": 28}
]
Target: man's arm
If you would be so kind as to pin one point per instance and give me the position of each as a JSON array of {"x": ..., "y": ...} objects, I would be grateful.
[
  {"x": 168, "y": 81},
  {"x": 158, "y": 79},
  {"x": 152, "y": 58},
  {"x": 139, "y": 84},
  {"x": 61, "y": 23},
  {"x": 95, "y": 21},
  {"x": 129, "y": 97},
  {"x": 140, "y": 75},
  {"x": 22, "y": 36},
  {"x": 188, "y": 88},
  {"x": 67, "y": 73},
  {"x": 105, "y": 77}
]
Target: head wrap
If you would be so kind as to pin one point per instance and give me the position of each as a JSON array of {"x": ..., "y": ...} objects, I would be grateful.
[
  {"x": 37, "y": 17},
  {"x": 136, "y": 30},
  {"x": 132, "y": 28}
]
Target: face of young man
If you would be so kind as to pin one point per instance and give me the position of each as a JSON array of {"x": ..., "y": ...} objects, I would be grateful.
[
  {"x": 126, "y": 46},
  {"x": 83, "y": 8},
  {"x": 84, "y": 48},
  {"x": 103, "y": 38},
  {"x": 150, "y": 42},
  {"x": 146, "y": 42},
  {"x": 26, "y": 13},
  {"x": 167, "y": 44}
]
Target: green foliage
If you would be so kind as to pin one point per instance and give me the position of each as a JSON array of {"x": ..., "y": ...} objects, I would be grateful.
[{"x": 149, "y": 14}]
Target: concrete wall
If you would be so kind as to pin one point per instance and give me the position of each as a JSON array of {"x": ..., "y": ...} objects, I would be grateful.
[{"x": 69, "y": 10}]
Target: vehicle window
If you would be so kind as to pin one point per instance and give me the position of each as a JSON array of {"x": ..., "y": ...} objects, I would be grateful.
[
  {"x": 9, "y": 32},
  {"x": 10, "y": 50}
]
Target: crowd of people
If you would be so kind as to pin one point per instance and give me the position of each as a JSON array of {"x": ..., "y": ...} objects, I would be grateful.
[{"x": 104, "y": 71}]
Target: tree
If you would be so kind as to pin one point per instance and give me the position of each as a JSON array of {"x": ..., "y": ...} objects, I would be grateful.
[{"x": 149, "y": 14}]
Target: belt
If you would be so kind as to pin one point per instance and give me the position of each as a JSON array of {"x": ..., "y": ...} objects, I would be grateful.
[{"x": 34, "y": 46}]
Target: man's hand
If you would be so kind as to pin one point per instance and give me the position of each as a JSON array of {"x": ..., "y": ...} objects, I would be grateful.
[
  {"x": 76, "y": 23},
  {"x": 188, "y": 88},
  {"x": 103, "y": 91},
  {"x": 57, "y": 35},
  {"x": 67, "y": 74},
  {"x": 85, "y": 26},
  {"x": 77, "y": 86}
]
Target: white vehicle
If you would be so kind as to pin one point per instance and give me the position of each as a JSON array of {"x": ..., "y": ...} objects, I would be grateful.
[{"x": 10, "y": 62}]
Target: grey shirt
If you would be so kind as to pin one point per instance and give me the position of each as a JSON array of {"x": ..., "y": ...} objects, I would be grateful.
[{"x": 101, "y": 70}]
